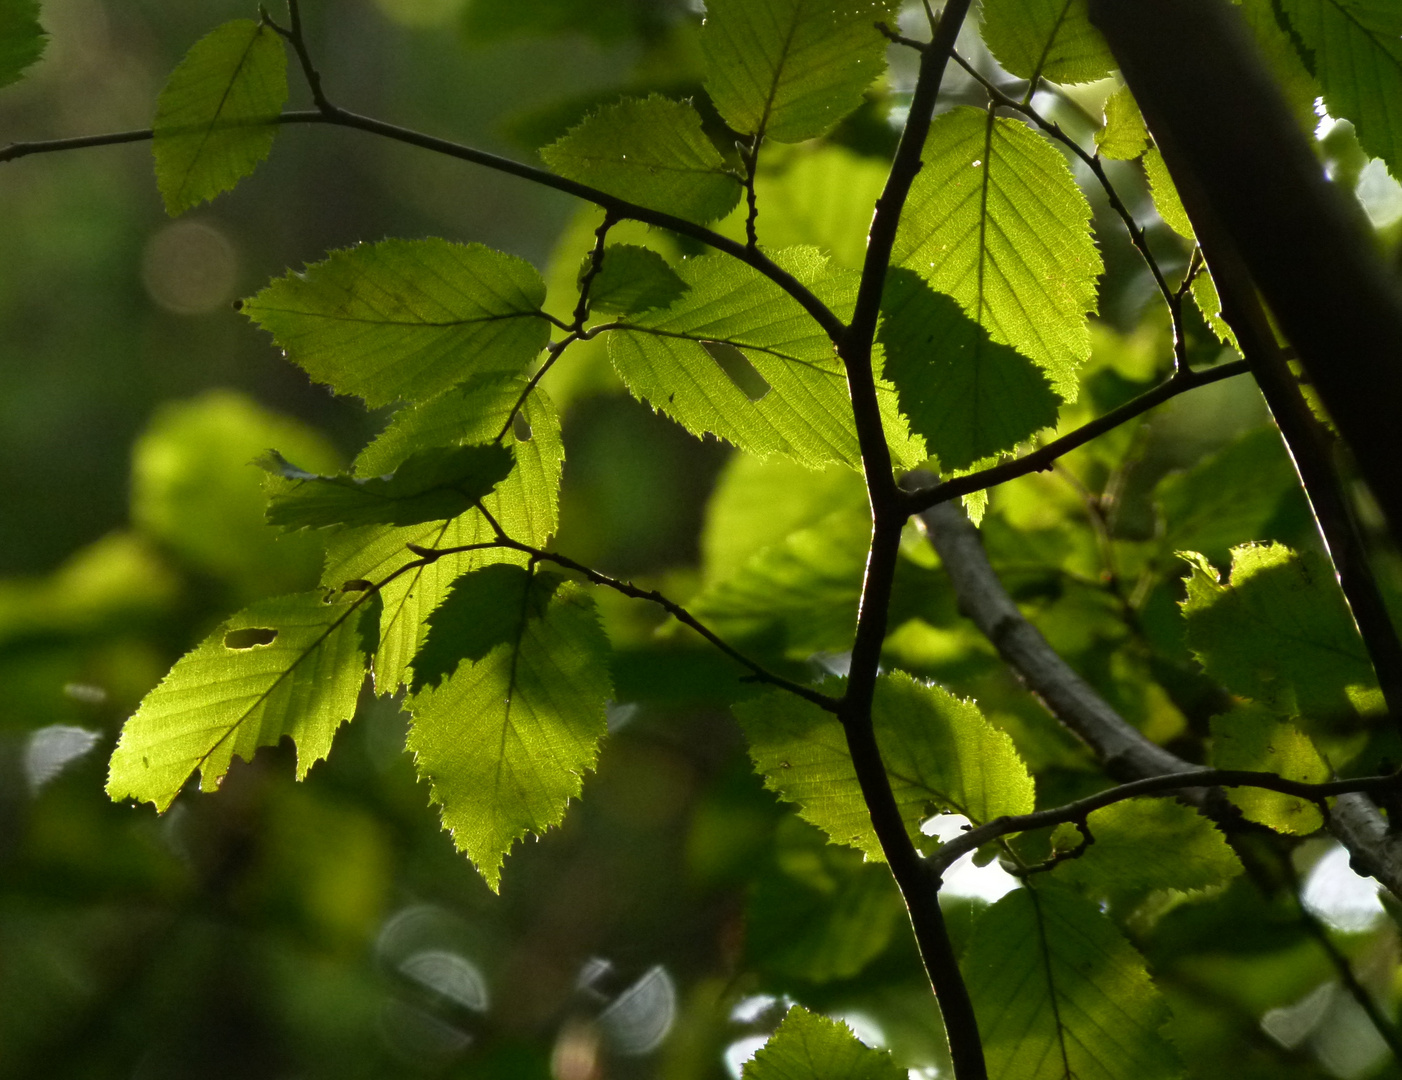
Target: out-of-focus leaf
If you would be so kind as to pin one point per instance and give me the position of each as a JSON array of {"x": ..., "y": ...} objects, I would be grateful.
[
  {"x": 505, "y": 740},
  {"x": 1049, "y": 39},
  {"x": 217, "y": 115},
  {"x": 1227, "y": 498},
  {"x": 632, "y": 279},
  {"x": 1354, "y": 48},
  {"x": 791, "y": 69},
  {"x": 195, "y": 488},
  {"x": 995, "y": 220},
  {"x": 430, "y": 485},
  {"x": 821, "y": 912},
  {"x": 967, "y": 396},
  {"x": 810, "y": 1047},
  {"x": 650, "y": 151},
  {"x": 1252, "y": 737},
  {"x": 818, "y": 194},
  {"x": 1124, "y": 136},
  {"x": 787, "y": 391},
  {"x": 22, "y": 39},
  {"x": 1146, "y": 844},
  {"x": 1278, "y": 631},
  {"x": 406, "y": 319},
  {"x": 1059, "y": 993},
  {"x": 941, "y": 755},
  {"x": 291, "y": 666},
  {"x": 525, "y": 504},
  {"x": 1300, "y": 88}
]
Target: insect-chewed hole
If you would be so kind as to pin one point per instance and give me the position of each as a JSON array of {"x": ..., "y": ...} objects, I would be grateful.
[
  {"x": 738, "y": 369},
  {"x": 521, "y": 428},
  {"x": 249, "y": 637}
]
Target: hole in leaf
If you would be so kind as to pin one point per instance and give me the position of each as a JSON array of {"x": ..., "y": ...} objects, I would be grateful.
[
  {"x": 521, "y": 428},
  {"x": 249, "y": 637},
  {"x": 738, "y": 369}
]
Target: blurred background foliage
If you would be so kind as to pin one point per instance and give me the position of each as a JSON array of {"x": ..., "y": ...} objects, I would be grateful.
[{"x": 328, "y": 929}]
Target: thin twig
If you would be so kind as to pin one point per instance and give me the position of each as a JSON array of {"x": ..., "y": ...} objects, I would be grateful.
[{"x": 919, "y": 500}]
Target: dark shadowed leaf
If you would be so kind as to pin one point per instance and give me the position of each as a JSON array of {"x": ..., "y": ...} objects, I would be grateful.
[
  {"x": 22, "y": 39},
  {"x": 632, "y": 279}
]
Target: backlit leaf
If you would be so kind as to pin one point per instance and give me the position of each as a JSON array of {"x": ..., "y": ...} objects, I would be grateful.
[
  {"x": 1278, "y": 631},
  {"x": 217, "y": 115},
  {"x": 291, "y": 666},
  {"x": 1166, "y": 200},
  {"x": 1049, "y": 39},
  {"x": 505, "y": 740},
  {"x": 406, "y": 319},
  {"x": 941, "y": 756},
  {"x": 1251, "y": 737},
  {"x": 811, "y": 1047},
  {"x": 430, "y": 485},
  {"x": 526, "y": 504},
  {"x": 650, "y": 151},
  {"x": 791, "y": 69},
  {"x": 787, "y": 391},
  {"x": 1124, "y": 136},
  {"x": 995, "y": 220},
  {"x": 1059, "y": 993},
  {"x": 1354, "y": 48},
  {"x": 821, "y": 194},
  {"x": 22, "y": 39},
  {"x": 967, "y": 396},
  {"x": 633, "y": 279}
]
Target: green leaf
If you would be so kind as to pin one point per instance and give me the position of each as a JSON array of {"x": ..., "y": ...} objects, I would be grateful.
[
  {"x": 1124, "y": 136},
  {"x": 1278, "y": 632},
  {"x": 1049, "y": 39},
  {"x": 1059, "y": 993},
  {"x": 1229, "y": 497},
  {"x": 217, "y": 115},
  {"x": 505, "y": 740},
  {"x": 787, "y": 391},
  {"x": 406, "y": 319},
  {"x": 291, "y": 666},
  {"x": 1354, "y": 48},
  {"x": 650, "y": 151},
  {"x": 431, "y": 485},
  {"x": 810, "y": 1047},
  {"x": 968, "y": 397},
  {"x": 821, "y": 912},
  {"x": 791, "y": 69},
  {"x": 526, "y": 504},
  {"x": 1282, "y": 58},
  {"x": 1166, "y": 200},
  {"x": 22, "y": 39},
  {"x": 800, "y": 594},
  {"x": 632, "y": 279},
  {"x": 941, "y": 755},
  {"x": 995, "y": 220},
  {"x": 818, "y": 194},
  {"x": 1146, "y": 844},
  {"x": 482, "y": 610},
  {"x": 1252, "y": 737},
  {"x": 1209, "y": 303}
]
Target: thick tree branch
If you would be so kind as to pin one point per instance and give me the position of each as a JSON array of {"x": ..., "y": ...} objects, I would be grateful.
[
  {"x": 1353, "y": 818},
  {"x": 1253, "y": 170}
]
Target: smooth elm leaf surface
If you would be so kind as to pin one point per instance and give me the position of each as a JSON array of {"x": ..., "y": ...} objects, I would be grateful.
[
  {"x": 290, "y": 666},
  {"x": 1252, "y": 737},
  {"x": 967, "y": 396},
  {"x": 505, "y": 740},
  {"x": 941, "y": 755},
  {"x": 406, "y": 319},
  {"x": 22, "y": 39},
  {"x": 526, "y": 504},
  {"x": 1047, "y": 39},
  {"x": 791, "y": 69},
  {"x": 1278, "y": 631},
  {"x": 805, "y": 413},
  {"x": 1060, "y": 993},
  {"x": 650, "y": 151},
  {"x": 217, "y": 115},
  {"x": 995, "y": 220},
  {"x": 430, "y": 485},
  {"x": 807, "y": 1046},
  {"x": 1354, "y": 49},
  {"x": 632, "y": 279}
]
